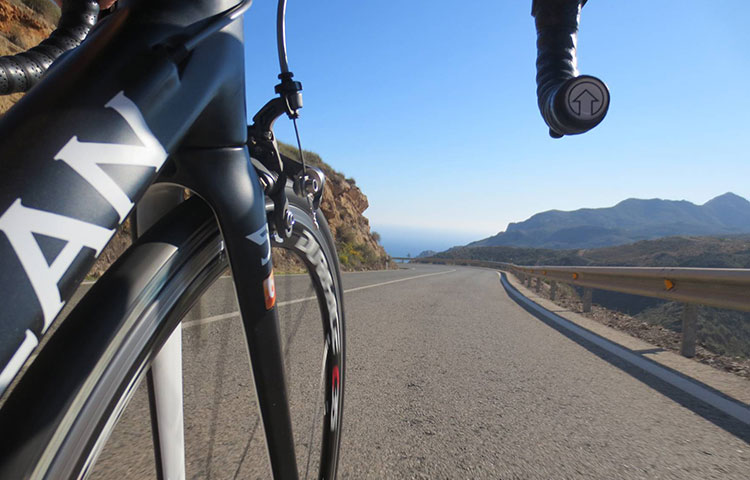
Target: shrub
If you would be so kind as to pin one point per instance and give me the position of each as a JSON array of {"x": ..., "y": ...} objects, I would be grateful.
[
  {"x": 369, "y": 255},
  {"x": 345, "y": 234},
  {"x": 349, "y": 257},
  {"x": 354, "y": 256}
]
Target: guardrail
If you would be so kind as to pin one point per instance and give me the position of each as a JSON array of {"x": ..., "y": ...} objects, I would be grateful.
[
  {"x": 715, "y": 287},
  {"x": 402, "y": 259}
]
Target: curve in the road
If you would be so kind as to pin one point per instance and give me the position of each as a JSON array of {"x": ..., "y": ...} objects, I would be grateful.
[{"x": 704, "y": 393}]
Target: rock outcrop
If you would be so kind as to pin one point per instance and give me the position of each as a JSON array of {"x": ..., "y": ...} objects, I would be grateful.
[{"x": 343, "y": 205}]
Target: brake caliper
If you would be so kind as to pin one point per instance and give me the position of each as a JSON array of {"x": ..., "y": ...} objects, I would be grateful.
[
  {"x": 308, "y": 182},
  {"x": 267, "y": 161}
]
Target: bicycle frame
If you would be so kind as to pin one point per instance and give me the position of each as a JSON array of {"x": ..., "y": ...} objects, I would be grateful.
[{"x": 118, "y": 114}]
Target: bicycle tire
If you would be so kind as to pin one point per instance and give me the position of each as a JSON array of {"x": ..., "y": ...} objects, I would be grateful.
[{"x": 63, "y": 441}]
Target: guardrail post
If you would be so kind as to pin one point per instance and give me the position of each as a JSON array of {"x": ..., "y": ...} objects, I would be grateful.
[
  {"x": 528, "y": 280},
  {"x": 587, "y": 293},
  {"x": 538, "y": 284},
  {"x": 689, "y": 330},
  {"x": 553, "y": 290}
]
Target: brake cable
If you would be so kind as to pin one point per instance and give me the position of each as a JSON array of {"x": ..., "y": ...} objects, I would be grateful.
[{"x": 291, "y": 91}]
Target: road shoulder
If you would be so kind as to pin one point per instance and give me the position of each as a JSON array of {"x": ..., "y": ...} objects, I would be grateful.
[{"x": 728, "y": 385}]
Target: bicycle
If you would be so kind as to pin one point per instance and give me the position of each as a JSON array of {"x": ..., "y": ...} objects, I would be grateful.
[{"x": 150, "y": 105}]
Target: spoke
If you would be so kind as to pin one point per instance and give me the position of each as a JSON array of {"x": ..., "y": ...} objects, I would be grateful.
[
  {"x": 247, "y": 448},
  {"x": 296, "y": 323},
  {"x": 321, "y": 389}
]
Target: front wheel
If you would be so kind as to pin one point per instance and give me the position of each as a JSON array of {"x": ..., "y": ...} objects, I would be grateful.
[
  {"x": 78, "y": 411},
  {"x": 317, "y": 429}
]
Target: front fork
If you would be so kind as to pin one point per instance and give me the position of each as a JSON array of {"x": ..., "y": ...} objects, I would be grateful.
[
  {"x": 164, "y": 379},
  {"x": 226, "y": 180}
]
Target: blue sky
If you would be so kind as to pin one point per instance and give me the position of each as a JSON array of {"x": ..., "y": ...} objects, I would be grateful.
[{"x": 431, "y": 106}]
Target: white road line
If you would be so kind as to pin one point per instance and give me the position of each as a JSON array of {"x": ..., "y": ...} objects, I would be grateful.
[
  {"x": 207, "y": 320},
  {"x": 731, "y": 408},
  {"x": 396, "y": 281},
  {"x": 226, "y": 316}
]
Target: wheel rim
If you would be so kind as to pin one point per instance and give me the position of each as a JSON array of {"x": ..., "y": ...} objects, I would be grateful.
[
  {"x": 309, "y": 330},
  {"x": 317, "y": 434}
]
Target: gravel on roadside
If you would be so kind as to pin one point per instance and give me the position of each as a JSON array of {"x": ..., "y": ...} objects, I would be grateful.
[{"x": 654, "y": 334}]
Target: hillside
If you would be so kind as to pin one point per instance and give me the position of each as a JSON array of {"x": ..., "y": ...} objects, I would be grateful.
[
  {"x": 732, "y": 251},
  {"x": 628, "y": 221},
  {"x": 25, "y": 23}
]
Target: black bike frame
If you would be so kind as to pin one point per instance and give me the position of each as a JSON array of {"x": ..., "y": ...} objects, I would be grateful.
[{"x": 84, "y": 145}]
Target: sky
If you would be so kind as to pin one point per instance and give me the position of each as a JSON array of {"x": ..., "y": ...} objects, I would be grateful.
[{"x": 431, "y": 107}]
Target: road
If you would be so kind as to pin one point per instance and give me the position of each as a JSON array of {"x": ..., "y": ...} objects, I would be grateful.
[{"x": 447, "y": 377}]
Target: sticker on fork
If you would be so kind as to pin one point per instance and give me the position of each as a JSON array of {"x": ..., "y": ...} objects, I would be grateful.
[{"x": 269, "y": 291}]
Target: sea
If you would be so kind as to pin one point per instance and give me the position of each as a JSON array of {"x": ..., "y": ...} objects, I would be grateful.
[{"x": 409, "y": 241}]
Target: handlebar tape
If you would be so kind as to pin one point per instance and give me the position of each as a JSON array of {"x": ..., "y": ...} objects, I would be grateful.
[
  {"x": 569, "y": 103},
  {"x": 20, "y": 72}
]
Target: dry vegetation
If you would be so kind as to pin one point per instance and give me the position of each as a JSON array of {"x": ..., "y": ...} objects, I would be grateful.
[{"x": 663, "y": 331}]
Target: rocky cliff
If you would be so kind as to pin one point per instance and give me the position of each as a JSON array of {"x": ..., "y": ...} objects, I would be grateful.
[
  {"x": 25, "y": 23},
  {"x": 343, "y": 206}
]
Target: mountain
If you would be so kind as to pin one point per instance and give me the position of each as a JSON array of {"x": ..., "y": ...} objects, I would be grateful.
[{"x": 629, "y": 221}]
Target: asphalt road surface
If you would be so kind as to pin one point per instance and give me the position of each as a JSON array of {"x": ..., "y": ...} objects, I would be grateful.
[{"x": 447, "y": 377}]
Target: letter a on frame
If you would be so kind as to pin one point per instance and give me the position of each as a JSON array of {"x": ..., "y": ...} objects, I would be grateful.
[
  {"x": 20, "y": 223},
  {"x": 86, "y": 157}
]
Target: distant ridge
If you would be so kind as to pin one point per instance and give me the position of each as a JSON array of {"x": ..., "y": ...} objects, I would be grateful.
[{"x": 629, "y": 221}]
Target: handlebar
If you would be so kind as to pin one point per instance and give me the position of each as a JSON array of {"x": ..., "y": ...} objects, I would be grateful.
[
  {"x": 569, "y": 103},
  {"x": 20, "y": 72}
]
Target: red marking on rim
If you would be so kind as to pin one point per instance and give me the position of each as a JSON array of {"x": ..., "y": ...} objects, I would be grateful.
[{"x": 335, "y": 377}]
